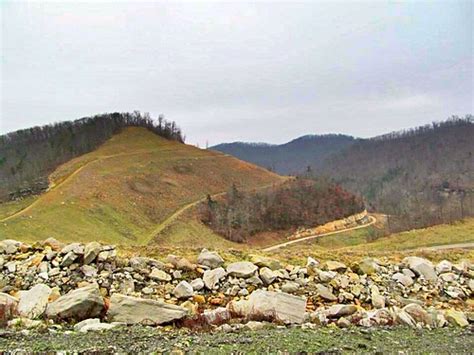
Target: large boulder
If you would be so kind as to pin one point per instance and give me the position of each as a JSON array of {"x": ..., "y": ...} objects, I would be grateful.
[
  {"x": 212, "y": 277},
  {"x": 272, "y": 306},
  {"x": 241, "y": 269},
  {"x": 421, "y": 267},
  {"x": 33, "y": 303},
  {"x": 82, "y": 303},
  {"x": 210, "y": 259},
  {"x": 133, "y": 310}
]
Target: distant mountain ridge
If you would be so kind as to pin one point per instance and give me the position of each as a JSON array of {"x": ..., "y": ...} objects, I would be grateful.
[{"x": 292, "y": 157}]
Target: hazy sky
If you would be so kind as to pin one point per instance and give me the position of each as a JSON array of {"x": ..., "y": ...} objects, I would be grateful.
[{"x": 266, "y": 71}]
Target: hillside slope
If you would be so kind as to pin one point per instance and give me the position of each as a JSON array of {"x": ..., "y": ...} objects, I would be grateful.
[
  {"x": 122, "y": 192},
  {"x": 290, "y": 158},
  {"x": 29, "y": 156},
  {"x": 425, "y": 175}
]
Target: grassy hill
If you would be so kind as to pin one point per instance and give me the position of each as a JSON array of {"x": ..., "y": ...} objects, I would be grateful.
[{"x": 123, "y": 191}]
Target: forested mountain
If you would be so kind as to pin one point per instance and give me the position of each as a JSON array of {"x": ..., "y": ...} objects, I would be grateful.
[
  {"x": 424, "y": 176},
  {"x": 28, "y": 156},
  {"x": 420, "y": 177},
  {"x": 292, "y": 157}
]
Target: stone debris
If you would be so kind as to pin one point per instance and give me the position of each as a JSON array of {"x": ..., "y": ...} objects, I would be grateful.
[
  {"x": 93, "y": 285},
  {"x": 242, "y": 269},
  {"x": 210, "y": 259},
  {"x": 183, "y": 290},
  {"x": 212, "y": 277}
]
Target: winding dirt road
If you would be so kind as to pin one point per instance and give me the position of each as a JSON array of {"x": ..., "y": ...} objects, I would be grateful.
[{"x": 372, "y": 220}]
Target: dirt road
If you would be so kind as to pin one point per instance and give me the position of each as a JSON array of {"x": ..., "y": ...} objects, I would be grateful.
[{"x": 372, "y": 220}]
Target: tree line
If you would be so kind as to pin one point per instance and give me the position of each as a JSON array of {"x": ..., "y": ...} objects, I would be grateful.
[
  {"x": 28, "y": 156},
  {"x": 299, "y": 203}
]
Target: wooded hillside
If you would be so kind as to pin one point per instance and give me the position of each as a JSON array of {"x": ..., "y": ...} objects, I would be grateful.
[
  {"x": 290, "y": 158},
  {"x": 295, "y": 204},
  {"x": 424, "y": 176},
  {"x": 28, "y": 156}
]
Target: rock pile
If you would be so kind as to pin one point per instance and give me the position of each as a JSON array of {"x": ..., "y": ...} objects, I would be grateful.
[{"x": 93, "y": 286}]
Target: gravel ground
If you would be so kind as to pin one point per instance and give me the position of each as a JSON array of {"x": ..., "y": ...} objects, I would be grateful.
[{"x": 294, "y": 340}]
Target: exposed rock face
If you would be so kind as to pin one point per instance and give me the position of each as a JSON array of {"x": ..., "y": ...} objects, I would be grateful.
[
  {"x": 133, "y": 310},
  {"x": 210, "y": 259},
  {"x": 33, "y": 303},
  {"x": 82, "y": 303},
  {"x": 421, "y": 267},
  {"x": 272, "y": 306},
  {"x": 241, "y": 269}
]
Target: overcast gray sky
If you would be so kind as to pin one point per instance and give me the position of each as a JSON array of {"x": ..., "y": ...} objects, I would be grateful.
[{"x": 239, "y": 71}]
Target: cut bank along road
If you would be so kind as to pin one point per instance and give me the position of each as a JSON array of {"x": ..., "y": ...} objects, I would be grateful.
[{"x": 372, "y": 220}]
